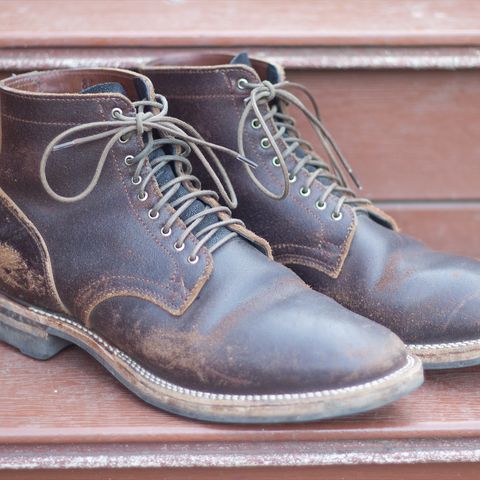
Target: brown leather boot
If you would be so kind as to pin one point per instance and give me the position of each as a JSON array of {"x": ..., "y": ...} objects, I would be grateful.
[
  {"x": 108, "y": 242},
  {"x": 339, "y": 244}
]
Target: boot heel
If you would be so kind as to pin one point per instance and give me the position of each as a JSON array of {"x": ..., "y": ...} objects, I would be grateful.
[{"x": 31, "y": 339}]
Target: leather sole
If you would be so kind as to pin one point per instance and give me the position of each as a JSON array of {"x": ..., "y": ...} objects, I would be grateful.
[
  {"x": 40, "y": 334},
  {"x": 448, "y": 355}
]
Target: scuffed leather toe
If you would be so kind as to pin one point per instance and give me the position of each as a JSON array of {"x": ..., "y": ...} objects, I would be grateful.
[
  {"x": 425, "y": 297},
  {"x": 264, "y": 333}
]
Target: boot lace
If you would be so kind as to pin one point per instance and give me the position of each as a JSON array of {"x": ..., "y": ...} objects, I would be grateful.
[
  {"x": 182, "y": 139},
  {"x": 277, "y": 97}
]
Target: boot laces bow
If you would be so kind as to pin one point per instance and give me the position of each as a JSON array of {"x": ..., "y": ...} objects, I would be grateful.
[
  {"x": 151, "y": 116},
  {"x": 285, "y": 140}
]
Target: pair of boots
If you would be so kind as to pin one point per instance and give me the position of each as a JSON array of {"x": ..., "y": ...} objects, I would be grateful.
[{"x": 109, "y": 242}]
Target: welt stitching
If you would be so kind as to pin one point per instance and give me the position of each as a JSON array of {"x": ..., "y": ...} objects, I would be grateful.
[{"x": 185, "y": 391}]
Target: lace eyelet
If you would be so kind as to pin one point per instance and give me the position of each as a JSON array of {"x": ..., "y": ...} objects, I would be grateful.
[
  {"x": 276, "y": 162},
  {"x": 193, "y": 260},
  {"x": 337, "y": 216},
  {"x": 292, "y": 178},
  {"x": 127, "y": 161},
  {"x": 166, "y": 233},
  {"x": 143, "y": 197},
  {"x": 255, "y": 123},
  {"x": 242, "y": 83},
  {"x": 178, "y": 247},
  {"x": 137, "y": 181},
  {"x": 265, "y": 143},
  {"x": 123, "y": 139},
  {"x": 153, "y": 215},
  {"x": 321, "y": 205},
  {"x": 116, "y": 112},
  {"x": 305, "y": 192}
]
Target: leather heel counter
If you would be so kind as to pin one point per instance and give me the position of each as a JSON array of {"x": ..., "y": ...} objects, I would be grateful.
[{"x": 25, "y": 271}]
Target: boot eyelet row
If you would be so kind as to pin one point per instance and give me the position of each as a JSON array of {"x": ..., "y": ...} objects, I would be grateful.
[
  {"x": 193, "y": 260},
  {"x": 305, "y": 192},
  {"x": 137, "y": 181},
  {"x": 153, "y": 215},
  {"x": 265, "y": 143},
  {"x": 116, "y": 112},
  {"x": 142, "y": 196},
  {"x": 128, "y": 160},
  {"x": 178, "y": 247},
  {"x": 242, "y": 83},
  {"x": 255, "y": 123},
  {"x": 276, "y": 162},
  {"x": 337, "y": 216},
  {"x": 321, "y": 205},
  {"x": 166, "y": 233}
]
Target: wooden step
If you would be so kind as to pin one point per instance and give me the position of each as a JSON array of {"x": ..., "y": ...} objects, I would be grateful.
[
  {"x": 397, "y": 82},
  {"x": 398, "y": 87},
  {"x": 68, "y": 414},
  {"x": 190, "y": 23}
]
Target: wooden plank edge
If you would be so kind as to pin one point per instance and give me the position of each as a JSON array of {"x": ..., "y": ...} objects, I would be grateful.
[
  {"x": 202, "y": 38},
  {"x": 221, "y": 455},
  {"x": 334, "y": 58}
]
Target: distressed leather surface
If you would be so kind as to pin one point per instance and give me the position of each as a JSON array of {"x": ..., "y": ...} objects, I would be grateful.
[
  {"x": 226, "y": 324},
  {"x": 255, "y": 328},
  {"x": 24, "y": 262},
  {"x": 106, "y": 245},
  {"x": 374, "y": 270},
  {"x": 212, "y": 93},
  {"x": 422, "y": 295}
]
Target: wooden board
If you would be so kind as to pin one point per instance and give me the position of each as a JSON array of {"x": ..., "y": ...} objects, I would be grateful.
[
  {"x": 69, "y": 413},
  {"x": 398, "y": 86},
  {"x": 249, "y": 22},
  {"x": 408, "y": 134}
]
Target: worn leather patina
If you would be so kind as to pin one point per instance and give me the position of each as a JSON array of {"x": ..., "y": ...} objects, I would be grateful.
[
  {"x": 359, "y": 258},
  {"x": 232, "y": 321}
]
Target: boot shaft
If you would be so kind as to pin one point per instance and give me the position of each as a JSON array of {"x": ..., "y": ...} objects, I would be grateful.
[
  {"x": 114, "y": 233},
  {"x": 213, "y": 97}
]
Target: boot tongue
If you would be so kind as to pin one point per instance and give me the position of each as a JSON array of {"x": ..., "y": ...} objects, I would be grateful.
[
  {"x": 242, "y": 58},
  {"x": 109, "y": 87},
  {"x": 167, "y": 173}
]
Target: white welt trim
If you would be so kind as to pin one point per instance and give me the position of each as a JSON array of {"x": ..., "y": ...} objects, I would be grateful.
[
  {"x": 220, "y": 396},
  {"x": 439, "y": 346}
]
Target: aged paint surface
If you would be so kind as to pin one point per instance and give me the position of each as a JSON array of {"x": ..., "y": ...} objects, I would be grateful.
[{"x": 290, "y": 454}]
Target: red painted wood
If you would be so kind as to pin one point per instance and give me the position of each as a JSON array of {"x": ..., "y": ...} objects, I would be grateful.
[
  {"x": 452, "y": 228},
  {"x": 249, "y": 22},
  {"x": 69, "y": 413},
  {"x": 375, "y": 472},
  {"x": 408, "y": 135},
  {"x": 71, "y": 399}
]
